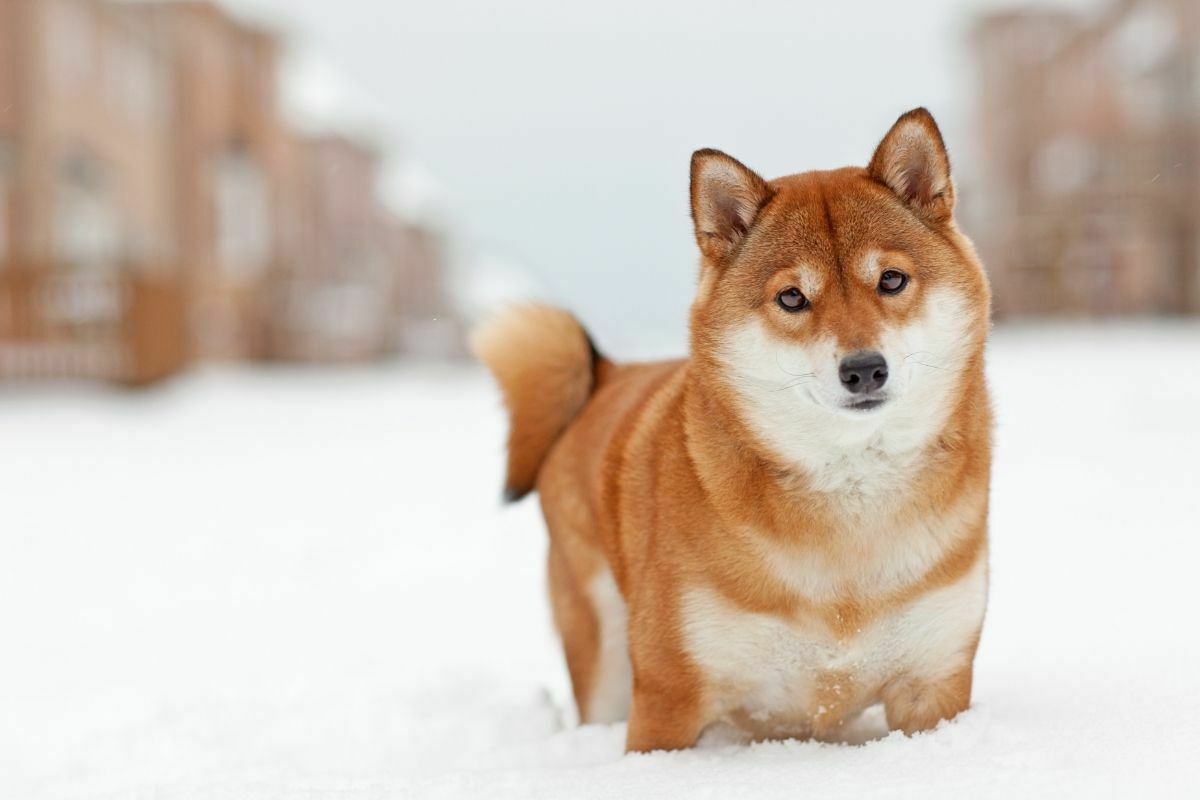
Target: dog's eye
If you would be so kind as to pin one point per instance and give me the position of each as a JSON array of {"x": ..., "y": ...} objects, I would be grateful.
[
  {"x": 892, "y": 282},
  {"x": 792, "y": 299}
]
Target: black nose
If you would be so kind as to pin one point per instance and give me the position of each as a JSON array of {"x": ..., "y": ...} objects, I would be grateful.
[{"x": 863, "y": 372}]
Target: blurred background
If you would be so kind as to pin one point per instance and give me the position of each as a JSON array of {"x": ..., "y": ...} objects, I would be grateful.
[
  {"x": 252, "y": 543},
  {"x": 266, "y": 180}
]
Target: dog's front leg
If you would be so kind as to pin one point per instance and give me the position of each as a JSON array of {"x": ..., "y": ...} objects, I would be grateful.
[
  {"x": 914, "y": 703},
  {"x": 663, "y": 717}
]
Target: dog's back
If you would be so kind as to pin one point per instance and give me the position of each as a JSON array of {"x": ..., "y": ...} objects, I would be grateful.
[{"x": 580, "y": 427}]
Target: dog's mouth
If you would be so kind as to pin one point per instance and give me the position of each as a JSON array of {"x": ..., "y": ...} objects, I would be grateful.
[
  {"x": 855, "y": 405},
  {"x": 865, "y": 404}
]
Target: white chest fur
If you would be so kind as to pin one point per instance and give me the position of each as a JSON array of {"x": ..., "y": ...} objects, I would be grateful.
[{"x": 766, "y": 665}]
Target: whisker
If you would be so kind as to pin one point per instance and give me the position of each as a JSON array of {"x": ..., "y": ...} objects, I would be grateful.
[
  {"x": 922, "y": 363},
  {"x": 789, "y": 372},
  {"x": 793, "y": 384}
]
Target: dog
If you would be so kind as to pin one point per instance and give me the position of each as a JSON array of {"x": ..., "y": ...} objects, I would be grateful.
[{"x": 789, "y": 526}]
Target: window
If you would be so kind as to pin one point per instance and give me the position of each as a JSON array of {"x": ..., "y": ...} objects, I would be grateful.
[
  {"x": 86, "y": 228},
  {"x": 243, "y": 213},
  {"x": 1196, "y": 80},
  {"x": 133, "y": 83},
  {"x": 7, "y": 172},
  {"x": 1064, "y": 164},
  {"x": 71, "y": 40},
  {"x": 3, "y": 223}
]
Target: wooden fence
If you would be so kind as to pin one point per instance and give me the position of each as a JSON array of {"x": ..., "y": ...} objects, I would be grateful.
[{"x": 128, "y": 327}]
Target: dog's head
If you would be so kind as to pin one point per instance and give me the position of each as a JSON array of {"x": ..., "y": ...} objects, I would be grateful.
[{"x": 846, "y": 299}]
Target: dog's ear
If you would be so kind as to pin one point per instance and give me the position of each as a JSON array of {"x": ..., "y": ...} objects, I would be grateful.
[
  {"x": 726, "y": 197},
  {"x": 912, "y": 162}
]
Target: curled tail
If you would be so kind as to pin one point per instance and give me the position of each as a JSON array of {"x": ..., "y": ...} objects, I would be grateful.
[{"x": 545, "y": 364}]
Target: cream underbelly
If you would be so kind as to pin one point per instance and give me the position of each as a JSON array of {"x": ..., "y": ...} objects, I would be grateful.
[{"x": 781, "y": 676}]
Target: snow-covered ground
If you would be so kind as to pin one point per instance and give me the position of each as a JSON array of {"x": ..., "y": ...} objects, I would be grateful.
[{"x": 302, "y": 584}]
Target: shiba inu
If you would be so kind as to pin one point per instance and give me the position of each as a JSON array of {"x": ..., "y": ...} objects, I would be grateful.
[{"x": 790, "y": 525}]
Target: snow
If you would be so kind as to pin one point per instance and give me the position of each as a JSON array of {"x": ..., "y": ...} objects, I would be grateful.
[{"x": 301, "y": 584}]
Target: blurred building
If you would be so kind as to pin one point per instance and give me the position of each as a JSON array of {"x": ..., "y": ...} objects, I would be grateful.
[
  {"x": 353, "y": 276},
  {"x": 332, "y": 301},
  {"x": 155, "y": 207},
  {"x": 85, "y": 176},
  {"x": 425, "y": 325},
  {"x": 228, "y": 157},
  {"x": 1088, "y": 201}
]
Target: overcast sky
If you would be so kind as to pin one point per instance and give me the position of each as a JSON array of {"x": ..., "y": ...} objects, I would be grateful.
[{"x": 561, "y": 132}]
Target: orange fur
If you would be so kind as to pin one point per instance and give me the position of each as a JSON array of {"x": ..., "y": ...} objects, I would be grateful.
[
  {"x": 782, "y": 564},
  {"x": 543, "y": 361}
]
